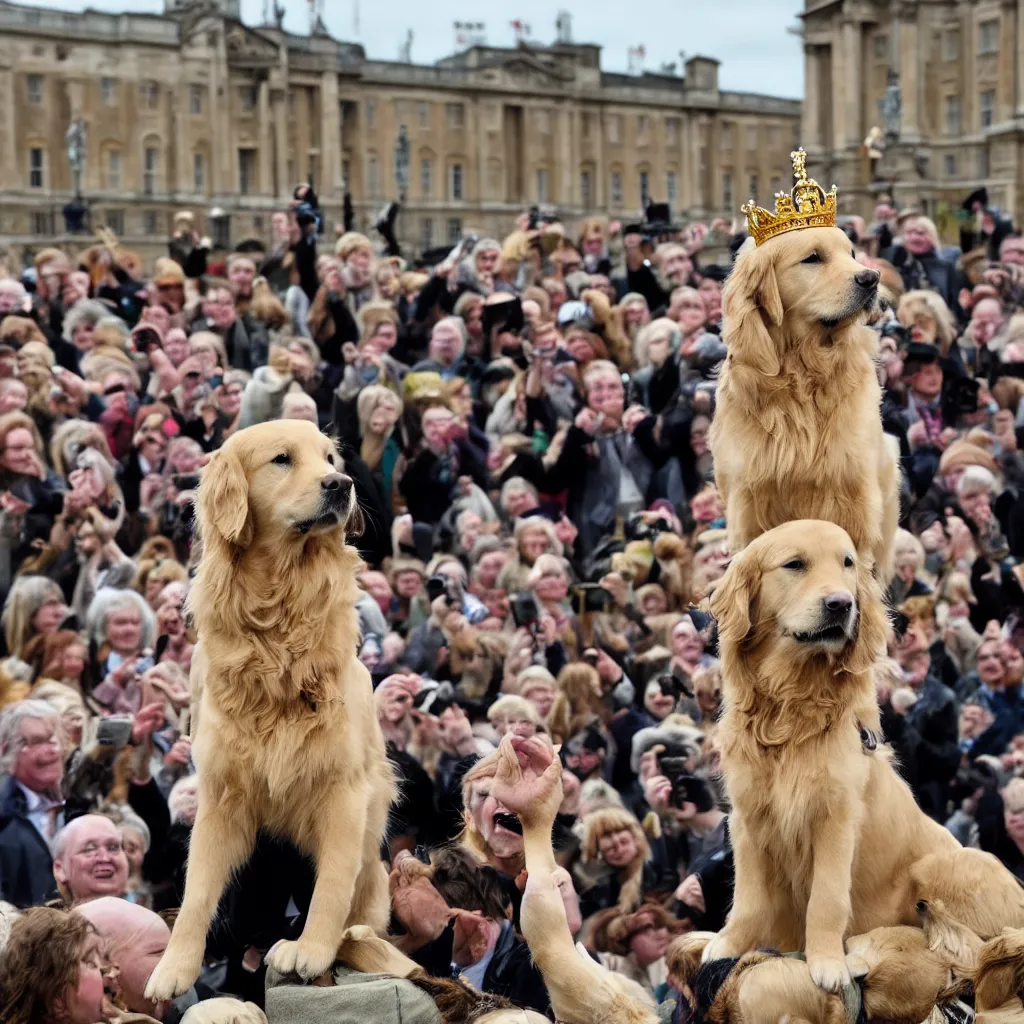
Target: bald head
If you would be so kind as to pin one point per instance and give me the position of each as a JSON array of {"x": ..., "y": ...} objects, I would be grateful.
[
  {"x": 136, "y": 939},
  {"x": 89, "y": 858}
]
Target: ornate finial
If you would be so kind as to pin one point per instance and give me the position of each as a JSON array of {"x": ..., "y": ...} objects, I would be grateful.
[{"x": 808, "y": 205}]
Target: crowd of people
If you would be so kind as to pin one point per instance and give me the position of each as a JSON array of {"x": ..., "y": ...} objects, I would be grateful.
[{"x": 525, "y": 421}]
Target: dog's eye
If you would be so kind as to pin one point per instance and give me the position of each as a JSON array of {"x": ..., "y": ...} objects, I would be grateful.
[
  {"x": 795, "y": 565},
  {"x": 284, "y": 459},
  {"x": 813, "y": 258},
  {"x": 848, "y": 562}
]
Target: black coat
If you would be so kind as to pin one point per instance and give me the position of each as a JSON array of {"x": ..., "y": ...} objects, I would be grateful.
[{"x": 26, "y": 867}]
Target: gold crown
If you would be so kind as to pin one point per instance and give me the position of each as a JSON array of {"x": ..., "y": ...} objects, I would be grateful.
[{"x": 807, "y": 206}]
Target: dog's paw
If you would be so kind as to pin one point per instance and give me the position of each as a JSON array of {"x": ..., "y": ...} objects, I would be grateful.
[
  {"x": 305, "y": 958},
  {"x": 173, "y": 976},
  {"x": 829, "y": 973},
  {"x": 719, "y": 948}
]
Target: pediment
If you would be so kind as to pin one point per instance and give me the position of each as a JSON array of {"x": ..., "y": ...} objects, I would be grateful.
[{"x": 245, "y": 46}]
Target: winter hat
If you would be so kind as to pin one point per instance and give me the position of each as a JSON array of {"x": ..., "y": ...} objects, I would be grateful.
[{"x": 963, "y": 453}]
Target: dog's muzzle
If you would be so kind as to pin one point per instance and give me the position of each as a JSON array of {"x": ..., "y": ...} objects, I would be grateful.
[{"x": 836, "y": 620}]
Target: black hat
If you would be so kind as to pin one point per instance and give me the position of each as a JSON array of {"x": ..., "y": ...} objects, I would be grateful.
[
  {"x": 497, "y": 371},
  {"x": 715, "y": 272},
  {"x": 979, "y": 195},
  {"x": 432, "y": 257},
  {"x": 657, "y": 221},
  {"x": 549, "y": 510},
  {"x": 919, "y": 354},
  {"x": 589, "y": 738}
]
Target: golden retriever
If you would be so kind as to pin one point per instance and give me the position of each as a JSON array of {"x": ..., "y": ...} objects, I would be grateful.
[
  {"x": 999, "y": 980},
  {"x": 285, "y": 736},
  {"x": 899, "y": 979},
  {"x": 797, "y": 432},
  {"x": 824, "y": 830}
]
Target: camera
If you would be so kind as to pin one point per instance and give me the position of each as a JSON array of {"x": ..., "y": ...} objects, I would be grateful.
[
  {"x": 590, "y": 597},
  {"x": 114, "y": 731},
  {"x": 186, "y": 482},
  {"x": 506, "y": 316},
  {"x": 687, "y": 788},
  {"x": 637, "y": 528},
  {"x": 525, "y": 610},
  {"x": 895, "y": 330},
  {"x": 963, "y": 395},
  {"x": 441, "y": 586},
  {"x": 672, "y": 686}
]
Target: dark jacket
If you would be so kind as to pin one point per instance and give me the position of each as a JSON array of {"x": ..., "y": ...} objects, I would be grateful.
[
  {"x": 936, "y": 744},
  {"x": 26, "y": 867}
]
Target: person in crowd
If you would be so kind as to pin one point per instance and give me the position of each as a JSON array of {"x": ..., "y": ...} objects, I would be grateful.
[{"x": 89, "y": 859}]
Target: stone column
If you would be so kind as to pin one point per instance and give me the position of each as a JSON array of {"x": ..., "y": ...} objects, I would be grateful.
[
  {"x": 1019, "y": 63},
  {"x": 910, "y": 74},
  {"x": 9, "y": 178},
  {"x": 853, "y": 84},
  {"x": 1009, "y": 59},
  {"x": 184, "y": 182},
  {"x": 330, "y": 135},
  {"x": 599, "y": 187},
  {"x": 810, "y": 126},
  {"x": 280, "y": 106},
  {"x": 266, "y": 157},
  {"x": 564, "y": 192}
]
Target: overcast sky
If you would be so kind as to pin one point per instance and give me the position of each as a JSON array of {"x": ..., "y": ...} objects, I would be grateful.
[{"x": 749, "y": 37}]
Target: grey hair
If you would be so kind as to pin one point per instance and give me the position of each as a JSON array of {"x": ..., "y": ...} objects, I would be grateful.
[
  {"x": 9, "y": 913},
  {"x": 10, "y": 726},
  {"x": 976, "y": 478},
  {"x": 84, "y": 311},
  {"x": 453, "y": 321},
  {"x": 124, "y": 817},
  {"x": 107, "y": 600},
  {"x": 516, "y": 483}
]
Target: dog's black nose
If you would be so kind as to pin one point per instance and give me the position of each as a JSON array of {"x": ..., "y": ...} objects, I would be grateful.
[
  {"x": 868, "y": 278},
  {"x": 336, "y": 482},
  {"x": 839, "y": 602}
]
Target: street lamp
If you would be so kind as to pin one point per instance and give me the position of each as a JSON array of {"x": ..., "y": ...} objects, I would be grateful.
[{"x": 76, "y": 139}]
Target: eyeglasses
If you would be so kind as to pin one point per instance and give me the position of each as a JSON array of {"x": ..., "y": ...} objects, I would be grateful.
[{"x": 35, "y": 742}]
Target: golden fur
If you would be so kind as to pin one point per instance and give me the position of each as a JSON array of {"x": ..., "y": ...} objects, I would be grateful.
[
  {"x": 797, "y": 432},
  {"x": 824, "y": 832},
  {"x": 999, "y": 980},
  {"x": 285, "y": 736}
]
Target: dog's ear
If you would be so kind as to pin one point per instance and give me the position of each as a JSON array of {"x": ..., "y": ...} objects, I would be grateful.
[
  {"x": 734, "y": 597},
  {"x": 999, "y": 977},
  {"x": 750, "y": 297},
  {"x": 224, "y": 499}
]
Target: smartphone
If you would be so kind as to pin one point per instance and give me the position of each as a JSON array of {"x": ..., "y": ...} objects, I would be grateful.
[
  {"x": 525, "y": 610},
  {"x": 507, "y": 315},
  {"x": 114, "y": 731},
  {"x": 215, "y": 381},
  {"x": 591, "y": 597},
  {"x": 186, "y": 482}
]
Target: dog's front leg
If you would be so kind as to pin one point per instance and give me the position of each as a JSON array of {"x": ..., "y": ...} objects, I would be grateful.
[
  {"x": 337, "y": 847},
  {"x": 828, "y": 908},
  {"x": 219, "y": 844}
]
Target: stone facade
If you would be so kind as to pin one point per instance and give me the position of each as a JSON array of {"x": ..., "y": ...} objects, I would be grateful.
[
  {"x": 194, "y": 110},
  {"x": 960, "y": 67}
]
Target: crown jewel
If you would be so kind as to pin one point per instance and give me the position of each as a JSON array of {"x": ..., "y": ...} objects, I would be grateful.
[{"x": 807, "y": 206}]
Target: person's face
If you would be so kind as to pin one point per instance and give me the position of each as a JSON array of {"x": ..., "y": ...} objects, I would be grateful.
[
  {"x": 176, "y": 346},
  {"x": 677, "y": 266},
  {"x": 689, "y": 312},
  {"x": 617, "y": 849},
  {"x": 51, "y": 279},
  {"x": 501, "y": 841},
  {"x": 1013, "y": 818},
  {"x": 445, "y": 343},
  {"x": 906, "y": 568},
  {"x": 542, "y": 698},
  {"x": 280, "y": 227},
  {"x": 124, "y": 629},
  {"x": 923, "y": 327},
  {"x": 219, "y": 308},
  {"x": 699, "y": 436},
  {"x": 552, "y": 585},
  {"x": 137, "y": 961},
  {"x": 11, "y": 296},
  {"x": 916, "y": 668},
  {"x": 606, "y": 394},
  {"x": 916, "y": 239},
  {"x": 377, "y": 586},
  {"x": 408, "y": 584},
  {"x": 660, "y": 705},
  {"x": 1013, "y": 660},
  {"x": 578, "y": 345},
  {"x": 706, "y": 505},
  {"x": 49, "y": 617},
  {"x": 93, "y": 862},
  {"x": 207, "y": 359},
  {"x": 84, "y": 1003},
  {"x": 649, "y": 944},
  {"x": 469, "y": 530},
  {"x": 474, "y": 321},
  {"x": 687, "y": 643},
  {"x": 973, "y": 721},
  {"x": 519, "y": 501},
  {"x": 158, "y": 317},
  {"x": 230, "y": 399},
  {"x": 134, "y": 851},
  {"x": 384, "y": 337},
  {"x": 241, "y": 274},
  {"x": 383, "y": 418},
  {"x": 927, "y": 382},
  {"x": 152, "y": 447},
  {"x": 487, "y": 261},
  {"x": 636, "y": 314},
  {"x": 38, "y": 763},
  {"x": 977, "y": 505},
  {"x": 20, "y": 451},
  {"x": 387, "y": 285},
  {"x": 532, "y": 544},
  {"x": 489, "y": 566},
  {"x": 991, "y": 669},
  {"x": 566, "y": 532},
  {"x": 14, "y": 397},
  {"x": 986, "y": 319},
  {"x": 358, "y": 264},
  {"x": 653, "y": 603},
  {"x": 436, "y": 425},
  {"x": 584, "y": 764},
  {"x": 711, "y": 292},
  {"x": 1012, "y": 251},
  {"x": 153, "y": 588},
  {"x": 659, "y": 348},
  {"x": 82, "y": 337}
]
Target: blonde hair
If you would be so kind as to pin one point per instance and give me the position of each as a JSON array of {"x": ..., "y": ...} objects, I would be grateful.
[
  {"x": 931, "y": 304},
  {"x": 369, "y": 400},
  {"x": 577, "y": 703},
  {"x": 606, "y": 822}
]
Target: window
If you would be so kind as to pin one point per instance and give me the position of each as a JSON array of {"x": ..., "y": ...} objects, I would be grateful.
[
  {"x": 672, "y": 131},
  {"x": 952, "y": 115},
  {"x": 774, "y": 135},
  {"x": 372, "y": 176},
  {"x": 114, "y": 169},
  {"x": 776, "y": 183},
  {"x": 199, "y": 172},
  {"x": 371, "y": 114},
  {"x": 950, "y": 165},
  {"x": 542, "y": 185},
  {"x": 149, "y": 92},
  {"x": 642, "y": 125},
  {"x": 35, "y": 167},
  {"x": 455, "y": 114},
  {"x": 115, "y": 221},
  {"x": 988, "y": 36},
  {"x": 983, "y": 162},
  {"x": 426, "y": 177},
  {"x": 752, "y": 184},
  {"x": 427, "y": 233},
  {"x": 951, "y": 44},
  {"x": 246, "y": 171},
  {"x": 881, "y": 47},
  {"x": 35, "y": 88},
  {"x": 108, "y": 91},
  {"x": 247, "y": 97},
  {"x": 727, "y": 191},
  {"x": 257, "y": 224},
  {"x": 670, "y": 188},
  {"x": 544, "y": 122},
  {"x": 585, "y": 193},
  {"x": 727, "y": 136},
  {"x": 424, "y": 111},
  {"x": 585, "y": 126},
  {"x": 614, "y": 128},
  {"x": 346, "y": 173},
  {"x": 149, "y": 223},
  {"x": 196, "y": 96},
  {"x": 149, "y": 171},
  {"x": 616, "y": 188},
  {"x": 455, "y": 182},
  {"x": 454, "y": 230},
  {"x": 42, "y": 223},
  {"x": 752, "y": 136},
  {"x": 645, "y": 189},
  {"x": 986, "y": 107}
]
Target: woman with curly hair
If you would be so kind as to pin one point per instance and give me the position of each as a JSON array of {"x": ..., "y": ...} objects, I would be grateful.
[
  {"x": 614, "y": 868},
  {"x": 51, "y": 971},
  {"x": 579, "y": 701}
]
